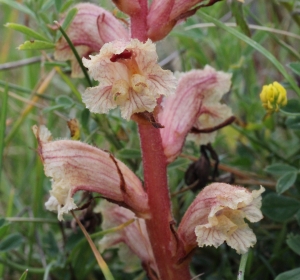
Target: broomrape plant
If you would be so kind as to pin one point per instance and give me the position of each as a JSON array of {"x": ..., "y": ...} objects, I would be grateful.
[{"x": 167, "y": 109}]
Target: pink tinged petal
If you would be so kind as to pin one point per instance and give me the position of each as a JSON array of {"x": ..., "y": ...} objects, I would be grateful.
[
  {"x": 131, "y": 77},
  {"x": 75, "y": 166},
  {"x": 198, "y": 92},
  {"x": 159, "y": 21},
  {"x": 91, "y": 28},
  {"x": 129, "y": 7},
  {"x": 134, "y": 235},
  {"x": 217, "y": 215}
]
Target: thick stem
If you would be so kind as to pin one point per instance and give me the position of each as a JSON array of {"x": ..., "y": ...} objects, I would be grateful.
[
  {"x": 138, "y": 22},
  {"x": 155, "y": 176}
]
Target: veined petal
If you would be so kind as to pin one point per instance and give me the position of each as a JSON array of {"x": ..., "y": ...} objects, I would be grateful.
[
  {"x": 75, "y": 166},
  {"x": 130, "y": 69},
  {"x": 217, "y": 215},
  {"x": 92, "y": 27},
  {"x": 197, "y": 95},
  {"x": 134, "y": 235}
]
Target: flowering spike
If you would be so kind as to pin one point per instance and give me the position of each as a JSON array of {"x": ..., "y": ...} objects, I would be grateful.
[
  {"x": 217, "y": 215},
  {"x": 129, "y": 77},
  {"x": 196, "y": 104},
  {"x": 75, "y": 166},
  {"x": 91, "y": 28},
  {"x": 273, "y": 96}
]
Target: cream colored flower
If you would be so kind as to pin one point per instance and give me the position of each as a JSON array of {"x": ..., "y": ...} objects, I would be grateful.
[
  {"x": 129, "y": 77},
  {"x": 217, "y": 215},
  {"x": 135, "y": 236},
  {"x": 195, "y": 104},
  {"x": 75, "y": 166},
  {"x": 91, "y": 28}
]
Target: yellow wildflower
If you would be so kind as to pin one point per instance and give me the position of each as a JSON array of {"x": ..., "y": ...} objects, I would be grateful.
[{"x": 273, "y": 97}]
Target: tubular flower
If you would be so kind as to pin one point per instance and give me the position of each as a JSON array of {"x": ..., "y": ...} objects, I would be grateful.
[
  {"x": 217, "y": 215},
  {"x": 91, "y": 28},
  {"x": 273, "y": 97},
  {"x": 134, "y": 235},
  {"x": 129, "y": 77},
  {"x": 75, "y": 166},
  {"x": 195, "y": 106},
  {"x": 164, "y": 14}
]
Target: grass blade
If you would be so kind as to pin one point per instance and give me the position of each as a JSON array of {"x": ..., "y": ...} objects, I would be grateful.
[
  {"x": 256, "y": 46},
  {"x": 3, "y": 125}
]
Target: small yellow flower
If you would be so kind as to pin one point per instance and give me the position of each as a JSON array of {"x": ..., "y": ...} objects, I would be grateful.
[{"x": 273, "y": 97}]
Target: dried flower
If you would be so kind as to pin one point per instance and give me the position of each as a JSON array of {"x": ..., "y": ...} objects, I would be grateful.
[
  {"x": 273, "y": 96},
  {"x": 196, "y": 104},
  {"x": 75, "y": 166},
  {"x": 217, "y": 215},
  {"x": 91, "y": 28},
  {"x": 134, "y": 235},
  {"x": 129, "y": 77}
]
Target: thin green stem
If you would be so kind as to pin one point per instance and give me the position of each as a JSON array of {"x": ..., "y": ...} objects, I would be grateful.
[
  {"x": 78, "y": 58},
  {"x": 242, "y": 266}
]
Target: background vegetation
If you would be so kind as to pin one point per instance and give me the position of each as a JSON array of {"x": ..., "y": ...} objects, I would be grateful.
[{"x": 256, "y": 150}]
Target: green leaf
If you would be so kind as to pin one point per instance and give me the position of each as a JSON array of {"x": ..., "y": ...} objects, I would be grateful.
[
  {"x": 286, "y": 181},
  {"x": 36, "y": 45},
  {"x": 27, "y": 31},
  {"x": 280, "y": 168},
  {"x": 65, "y": 101},
  {"x": 24, "y": 275},
  {"x": 298, "y": 217},
  {"x": 66, "y": 5},
  {"x": 129, "y": 154},
  {"x": 10, "y": 242},
  {"x": 178, "y": 163},
  {"x": 18, "y": 6},
  {"x": 58, "y": 4},
  {"x": 293, "y": 123},
  {"x": 293, "y": 274},
  {"x": 255, "y": 45},
  {"x": 69, "y": 18},
  {"x": 292, "y": 108},
  {"x": 237, "y": 11},
  {"x": 295, "y": 67},
  {"x": 293, "y": 241},
  {"x": 279, "y": 208}
]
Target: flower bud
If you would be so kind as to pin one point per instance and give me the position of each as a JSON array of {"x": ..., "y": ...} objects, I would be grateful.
[{"x": 273, "y": 96}]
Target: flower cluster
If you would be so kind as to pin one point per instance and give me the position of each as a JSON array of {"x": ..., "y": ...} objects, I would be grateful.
[{"x": 273, "y": 97}]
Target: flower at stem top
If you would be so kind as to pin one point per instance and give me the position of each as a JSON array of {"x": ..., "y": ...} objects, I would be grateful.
[
  {"x": 194, "y": 107},
  {"x": 273, "y": 96},
  {"x": 91, "y": 28},
  {"x": 129, "y": 78},
  {"x": 75, "y": 166},
  {"x": 217, "y": 215}
]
